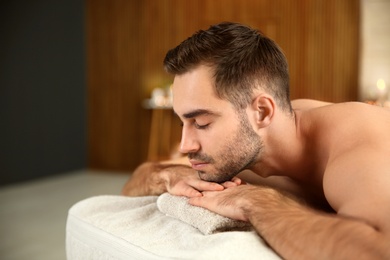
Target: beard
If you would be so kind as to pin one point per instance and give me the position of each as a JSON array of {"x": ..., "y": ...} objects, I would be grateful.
[{"x": 239, "y": 153}]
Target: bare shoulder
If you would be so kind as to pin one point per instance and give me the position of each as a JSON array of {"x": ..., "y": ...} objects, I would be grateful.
[
  {"x": 308, "y": 103},
  {"x": 311, "y": 105},
  {"x": 357, "y": 177},
  {"x": 367, "y": 124},
  {"x": 357, "y": 118}
]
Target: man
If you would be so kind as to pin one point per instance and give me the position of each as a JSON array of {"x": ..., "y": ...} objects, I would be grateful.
[{"x": 319, "y": 172}]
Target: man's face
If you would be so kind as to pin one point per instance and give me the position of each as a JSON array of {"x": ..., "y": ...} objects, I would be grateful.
[{"x": 220, "y": 141}]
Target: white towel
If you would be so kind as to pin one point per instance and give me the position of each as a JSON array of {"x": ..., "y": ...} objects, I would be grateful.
[
  {"x": 206, "y": 221},
  {"x": 122, "y": 228}
]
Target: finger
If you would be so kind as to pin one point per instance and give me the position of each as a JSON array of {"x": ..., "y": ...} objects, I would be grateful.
[
  {"x": 192, "y": 193},
  {"x": 206, "y": 201},
  {"x": 182, "y": 189},
  {"x": 237, "y": 180},
  {"x": 195, "y": 201},
  {"x": 229, "y": 184},
  {"x": 206, "y": 186}
]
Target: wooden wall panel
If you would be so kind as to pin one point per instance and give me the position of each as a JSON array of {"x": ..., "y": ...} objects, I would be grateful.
[
  {"x": 127, "y": 41},
  {"x": 115, "y": 120},
  {"x": 321, "y": 42}
]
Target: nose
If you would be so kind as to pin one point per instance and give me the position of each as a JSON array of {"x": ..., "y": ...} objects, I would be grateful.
[{"x": 189, "y": 143}]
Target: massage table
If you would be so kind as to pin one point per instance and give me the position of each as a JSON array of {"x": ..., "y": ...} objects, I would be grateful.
[{"x": 117, "y": 227}]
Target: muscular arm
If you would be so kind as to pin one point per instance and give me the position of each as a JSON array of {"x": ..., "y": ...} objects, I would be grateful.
[
  {"x": 298, "y": 232},
  {"x": 356, "y": 184},
  {"x": 294, "y": 230}
]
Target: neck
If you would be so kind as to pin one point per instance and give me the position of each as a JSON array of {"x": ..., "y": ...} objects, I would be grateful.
[{"x": 286, "y": 151}]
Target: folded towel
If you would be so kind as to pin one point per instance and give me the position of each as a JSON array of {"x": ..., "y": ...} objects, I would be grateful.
[{"x": 206, "y": 221}]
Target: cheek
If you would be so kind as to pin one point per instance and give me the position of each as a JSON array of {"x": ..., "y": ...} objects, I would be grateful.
[{"x": 216, "y": 139}]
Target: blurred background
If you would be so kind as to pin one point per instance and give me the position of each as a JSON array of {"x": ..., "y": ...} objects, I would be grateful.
[{"x": 75, "y": 75}]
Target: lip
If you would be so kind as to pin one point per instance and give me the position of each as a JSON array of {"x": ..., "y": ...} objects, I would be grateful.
[{"x": 197, "y": 165}]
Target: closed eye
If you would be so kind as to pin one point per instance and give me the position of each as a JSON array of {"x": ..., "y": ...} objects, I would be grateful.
[
  {"x": 201, "y": 127},
  {"x": 197, "y": 126}
]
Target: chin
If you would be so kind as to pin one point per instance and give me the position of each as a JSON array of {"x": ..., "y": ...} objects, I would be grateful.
[{"x": 213, "y": 177}]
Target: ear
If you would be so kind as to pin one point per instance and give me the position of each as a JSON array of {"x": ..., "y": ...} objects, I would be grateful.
[{"x": 264, "y": 107}]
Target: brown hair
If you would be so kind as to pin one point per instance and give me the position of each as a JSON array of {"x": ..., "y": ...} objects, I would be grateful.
[{"x": 242, "y": 59}]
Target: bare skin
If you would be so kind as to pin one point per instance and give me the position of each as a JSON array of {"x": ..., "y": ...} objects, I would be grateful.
[{"x": 320, "y": 187}]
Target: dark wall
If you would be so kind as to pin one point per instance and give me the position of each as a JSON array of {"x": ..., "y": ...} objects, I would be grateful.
[{"x": 42, "y": 88}]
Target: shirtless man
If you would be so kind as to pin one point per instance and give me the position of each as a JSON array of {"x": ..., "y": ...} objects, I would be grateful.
[{"x": 319, "y": 172}]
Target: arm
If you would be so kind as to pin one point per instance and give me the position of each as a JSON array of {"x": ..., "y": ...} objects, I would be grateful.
[
  {"x": 360, "y": 229},
  {"x": 295, "y": 231},
  {"x": 174, "y": 176}
]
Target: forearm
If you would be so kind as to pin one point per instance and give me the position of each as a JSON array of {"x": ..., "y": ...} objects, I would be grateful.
[
  {"x": 145, "y": 180},
  {"x": 157, "y": 178},
  {"x": 298, "y": 232}
]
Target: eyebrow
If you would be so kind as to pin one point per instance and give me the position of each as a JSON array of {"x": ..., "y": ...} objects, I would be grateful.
[{"x": 198, "y": 112}]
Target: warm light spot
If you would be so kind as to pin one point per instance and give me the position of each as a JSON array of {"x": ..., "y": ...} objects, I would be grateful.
[{"x": 380, "y": 84}]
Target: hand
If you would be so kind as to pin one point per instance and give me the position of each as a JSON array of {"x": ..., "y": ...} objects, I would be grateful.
[
  {"x": 182, "y": 180},
  {"x": 232, "y": 202},
  {"x": 186, "y": 182}
]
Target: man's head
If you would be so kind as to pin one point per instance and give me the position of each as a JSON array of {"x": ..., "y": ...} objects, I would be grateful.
[
  {"x": 242, "y": 60},
  {"x": 228, "y": 81}
]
